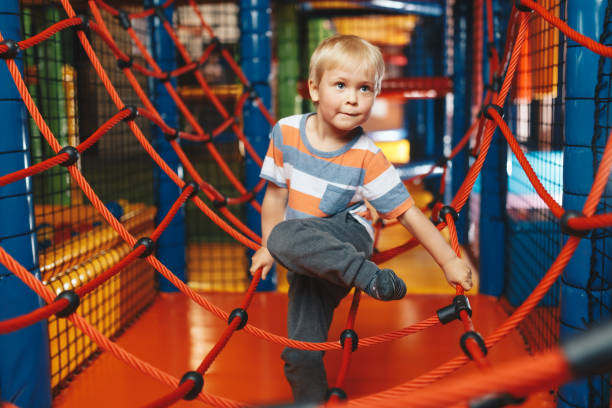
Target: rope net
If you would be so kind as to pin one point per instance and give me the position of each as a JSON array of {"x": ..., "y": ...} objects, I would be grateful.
[{"x": 80, "y": 166}]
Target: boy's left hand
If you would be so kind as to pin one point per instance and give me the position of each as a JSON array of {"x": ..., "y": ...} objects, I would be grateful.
[{"x": 458, "y": 272}]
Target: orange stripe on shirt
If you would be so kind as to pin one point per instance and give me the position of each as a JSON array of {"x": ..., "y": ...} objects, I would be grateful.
[
  {"x": 402, "y": 208},
  {"x": 305, "y": 203},
  {"x": 276, "y": 154},
  {"x": 376, "y": 167},
  {"x": 351, "y": 158}
]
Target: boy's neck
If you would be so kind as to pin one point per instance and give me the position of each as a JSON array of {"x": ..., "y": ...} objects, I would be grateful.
[{"x": 325, "y": 138}]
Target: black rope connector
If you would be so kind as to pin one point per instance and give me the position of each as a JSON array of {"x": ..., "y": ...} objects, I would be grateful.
[
  {"x": 220, "y": 203},
  {"x": 172, "y": 135},
  {"x": 338, "y": 392},
  {"x": 198, "y": 384},
  {"x": 73, "y": 303},
  {"x": 495, "y": 85},
  {"x": 521, "y": 7},
  {"x": 451, "y": 312},
  {"x": 159, "y": 12},
  {"x": 476, "y": 337},
  {"x": 196, "y": 188},
  {"x": 564, "y": 223},
  {"x": 250, "y": 196},
  {"x": 149, "y": 245},
  {"x": 349, "y": 334},
  {"x": 251, "y": 91},
  {"x": 442, "y": 161},
  {"x": 447, "y": 209},
  {"x": 124, "y": 19},
  {"x": 217, "y": 41},
  {"x": 84, "y": 26},
  {"x": 242, "y": 314},
  {"x": 73, "y": 155},
  {"x": 486, "y": 114},
  {"x": 496, "y": 401},
  {"x": 166, "y": 77},
  {"x": 122, "y": 64},
  {"x": 133, "y": 113},
  {"x": 12, "y": 50}
]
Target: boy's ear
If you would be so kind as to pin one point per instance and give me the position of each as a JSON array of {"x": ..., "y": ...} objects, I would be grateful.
[{"x": 313, "y": 89}]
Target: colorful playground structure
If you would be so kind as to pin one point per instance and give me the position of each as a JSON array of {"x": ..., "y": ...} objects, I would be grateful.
[{"x": 129, "y": 169}]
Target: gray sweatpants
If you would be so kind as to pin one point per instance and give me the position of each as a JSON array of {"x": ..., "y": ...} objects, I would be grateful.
[{"x": 325, "y": 258}]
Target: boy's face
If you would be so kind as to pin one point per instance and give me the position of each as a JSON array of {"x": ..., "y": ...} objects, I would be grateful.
[{"x": 345, "y": 97}]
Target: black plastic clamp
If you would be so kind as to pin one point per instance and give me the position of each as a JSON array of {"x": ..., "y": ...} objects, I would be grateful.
[
  {"x": 159, "y": 13},
  {"x": 149, "y": 245},
  {"x": 242, "y": 314},
  {"x": 564, "y": 223},
  {"x": 442, "y": 161},
  {"x": 124, "y": 19},
  {"x": 447, "y": 209},
  {"x": 196, "y": 188},
  {"x": 170, "y": 136},
  {"x": 495, "y": 85},
  {"x": 521, "y": 7},
  {"x": 218, "y": 204},
  {"x": 349, "y": 334},
  {"x": 338, "y": 392},
  {"x": 12, "y": 50},
  {"x": 496, "y": 401},
  {"x": 122, "y": 64},
  {"x": 73, "y": 155},
  {"x": 84, "y": 26},
  {"x": 166, "y": 77},
  {"x": 217, "y": 41},
  {"x": 486, "y": 114},
  {"x": 477, "y": 338},
  {"x": 73, "y": 302},
  {"x": 451, "y": 312},
  {"x": 198, "y": 384},
  {"x": 133, "y": 112},
  {"x": 250, "y": 196},
  {"x": 251, "y": 91}
]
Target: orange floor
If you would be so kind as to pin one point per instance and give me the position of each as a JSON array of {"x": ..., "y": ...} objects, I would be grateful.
[{"x": 175, "y": 334}]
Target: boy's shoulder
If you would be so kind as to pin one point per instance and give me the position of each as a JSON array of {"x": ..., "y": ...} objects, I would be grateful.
[{"x": 364, "y": 142}]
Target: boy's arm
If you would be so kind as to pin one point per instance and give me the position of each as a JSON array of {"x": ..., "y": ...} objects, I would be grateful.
[
  {"x": 272, "y": 212},
  {"x": 457, "y": 271}
]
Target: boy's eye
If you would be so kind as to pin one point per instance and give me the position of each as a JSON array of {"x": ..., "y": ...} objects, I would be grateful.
[
  {"x": 365, "y": 88},
  {"x": 340, "y": 85}
]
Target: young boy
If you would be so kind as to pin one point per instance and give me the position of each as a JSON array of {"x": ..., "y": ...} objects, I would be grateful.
[{"x": 321, "y": 167}]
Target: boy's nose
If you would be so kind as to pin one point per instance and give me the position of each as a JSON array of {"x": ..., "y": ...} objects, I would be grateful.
[{"x": 351, "y": 97}]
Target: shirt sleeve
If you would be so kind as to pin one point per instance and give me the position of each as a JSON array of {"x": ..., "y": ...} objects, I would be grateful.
[
  {"x": 384, "y": 189},
  {"x": 273, "y": 165}
]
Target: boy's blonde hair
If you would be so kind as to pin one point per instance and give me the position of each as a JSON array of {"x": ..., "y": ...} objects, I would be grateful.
[{"x": 346, "y": 50}]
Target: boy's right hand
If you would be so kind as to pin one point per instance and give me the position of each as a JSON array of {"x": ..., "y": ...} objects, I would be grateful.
[{"x": 262, "y": 259}]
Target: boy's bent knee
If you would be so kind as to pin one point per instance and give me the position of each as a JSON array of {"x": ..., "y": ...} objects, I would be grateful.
[{"x": 280, "y": 238}]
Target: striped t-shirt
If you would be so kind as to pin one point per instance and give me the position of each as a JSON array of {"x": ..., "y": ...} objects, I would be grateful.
[{"x": 322, "y": 183}]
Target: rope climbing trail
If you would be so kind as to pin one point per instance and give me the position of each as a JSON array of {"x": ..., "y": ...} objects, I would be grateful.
[{"x": 517, "y": 378}]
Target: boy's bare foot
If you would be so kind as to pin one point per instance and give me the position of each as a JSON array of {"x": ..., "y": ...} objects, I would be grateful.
[{"x": 386, "y": 285}]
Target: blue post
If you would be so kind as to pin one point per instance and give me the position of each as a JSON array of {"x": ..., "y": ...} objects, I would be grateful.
[
  {"x": 462, "y": 96},
  {"x": 171, "y": 244},
  {"x": 24, "y": 354},
  {"x": 494, "y": 187},
  {"x": 256, "y": 59},
  {"x": 582, "y": 293}
]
